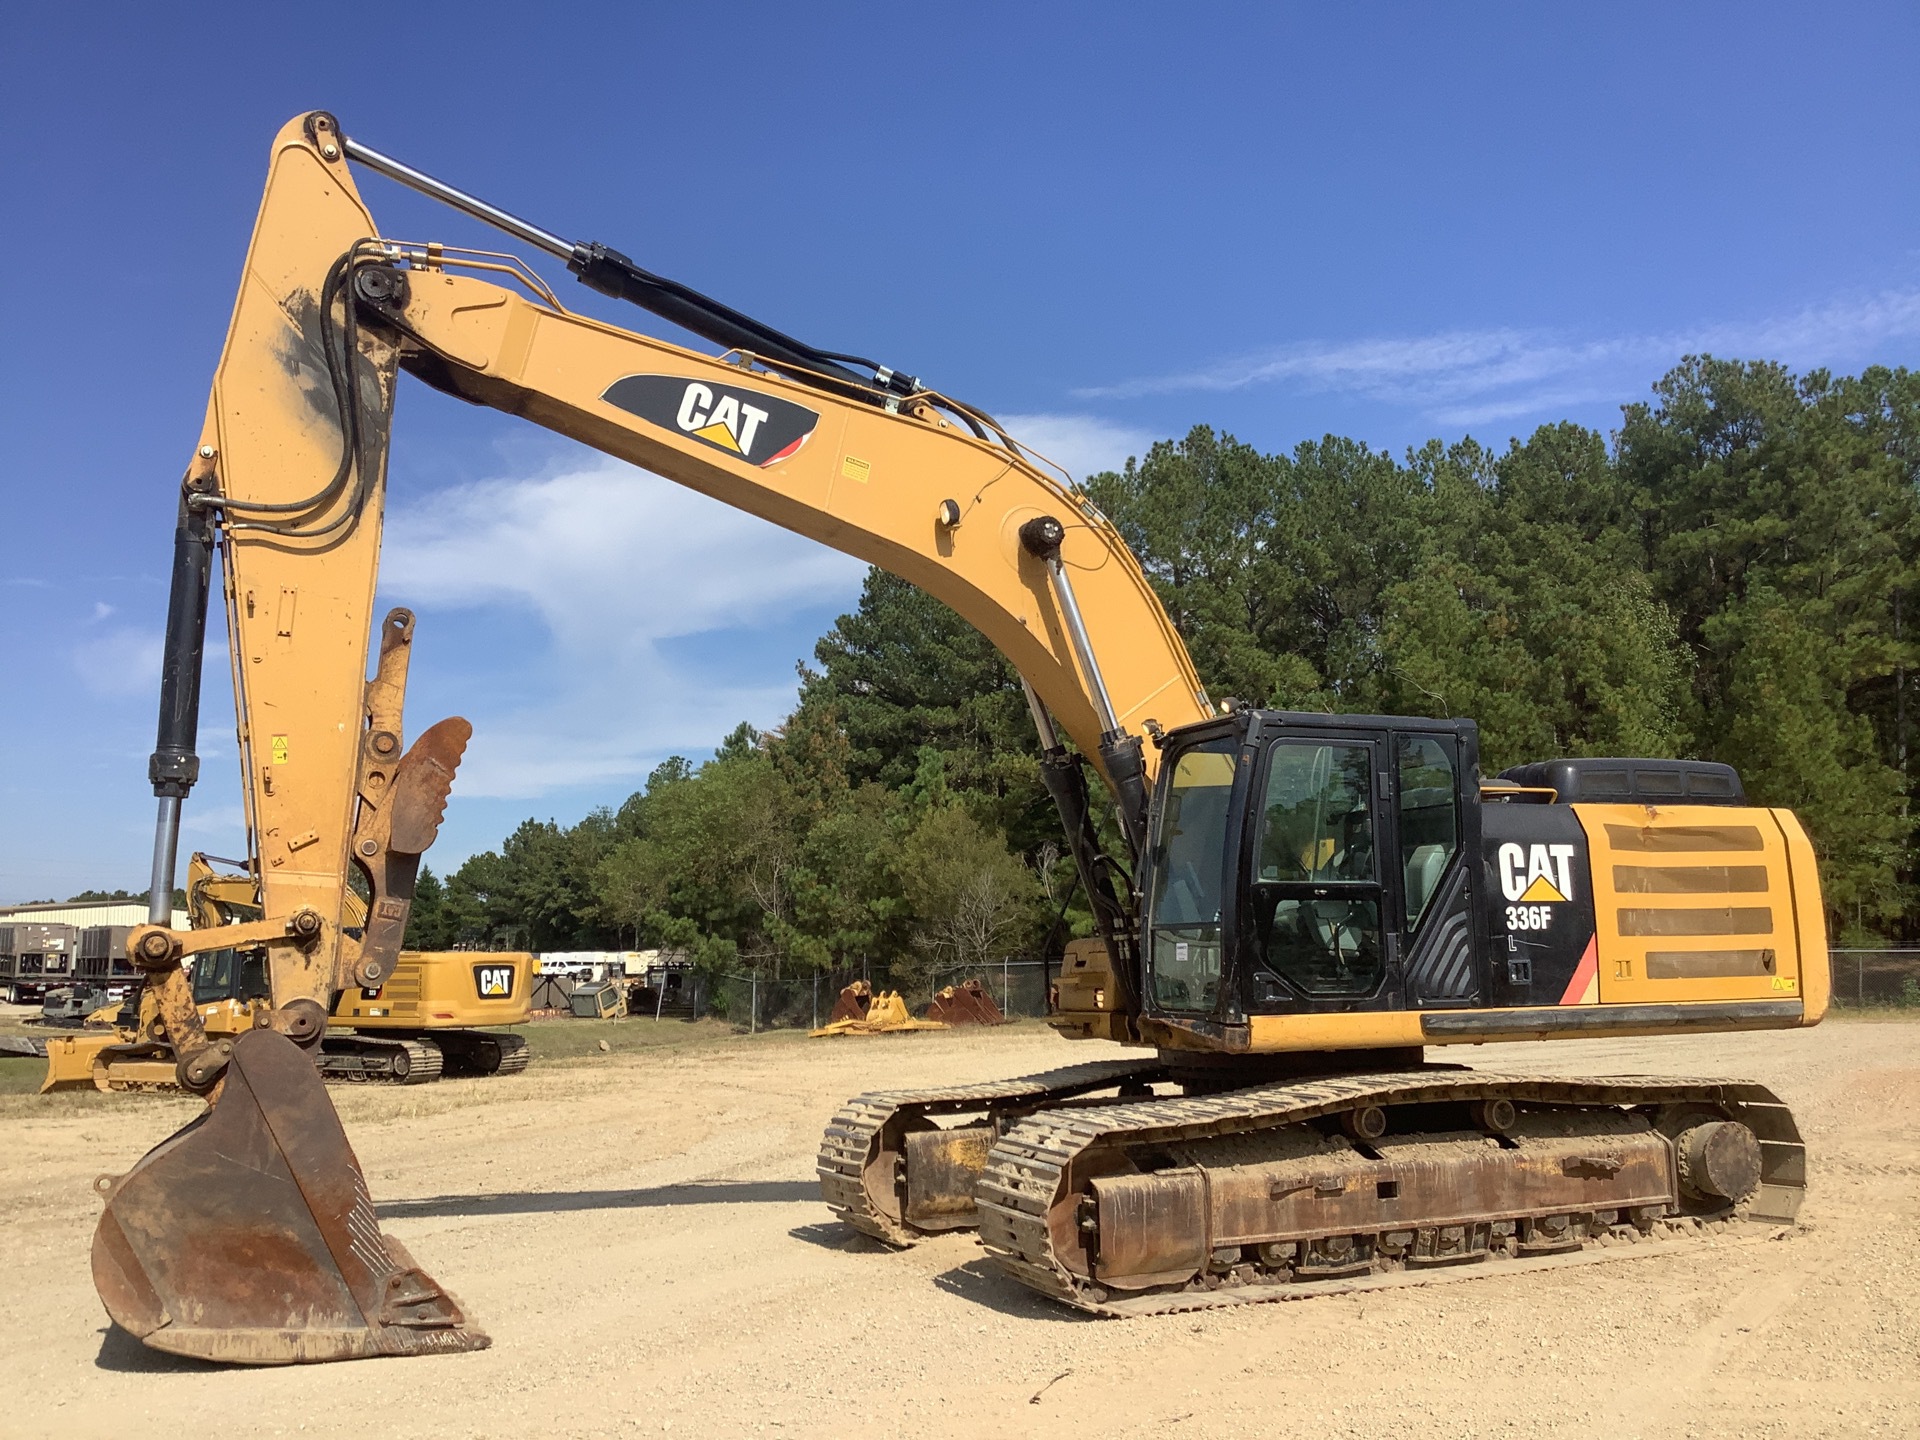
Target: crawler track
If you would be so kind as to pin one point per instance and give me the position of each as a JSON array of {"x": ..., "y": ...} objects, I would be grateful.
[
  {"x": 482, "y": 1052},
  {"x": 363, "y": 1060},
  {"x": 1043, "y": 1216},
  {"x": 862, "y": 1153}
]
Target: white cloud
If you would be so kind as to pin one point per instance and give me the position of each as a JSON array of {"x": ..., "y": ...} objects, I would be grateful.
[
  {"x": 613, "y": 562},
  {"x": 1083, "y": 445},
  {"x": 1476, "y": 376},
  {"x": 101, "y": 610},
  {"x": 119, "y": 663}
]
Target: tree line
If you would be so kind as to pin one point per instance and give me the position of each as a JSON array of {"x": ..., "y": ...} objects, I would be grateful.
[{"x": 1724, "y": 577}]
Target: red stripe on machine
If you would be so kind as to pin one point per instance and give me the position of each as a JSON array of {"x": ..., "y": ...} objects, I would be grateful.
[{"x": 1584, "y": 974}]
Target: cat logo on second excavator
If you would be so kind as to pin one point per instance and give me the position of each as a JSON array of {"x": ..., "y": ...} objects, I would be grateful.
[
  {"x": 746, "y": 424},
  {"x": 493, "y": 982}
]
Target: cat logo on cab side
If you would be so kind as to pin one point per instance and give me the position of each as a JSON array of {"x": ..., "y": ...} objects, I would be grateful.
[{"x": 746, "y": 424}]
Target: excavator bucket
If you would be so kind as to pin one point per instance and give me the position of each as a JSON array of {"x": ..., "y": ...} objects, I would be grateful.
[
  {"x": 967, "y": 1003},
  {"x": 852, "y": 1004},
  {"x": 248, "y": 1237},
  {"x": 883, "y": 1014}
]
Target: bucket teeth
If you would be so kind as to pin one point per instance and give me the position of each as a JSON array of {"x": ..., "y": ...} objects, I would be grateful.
[{"x": 248, "y": 1237}]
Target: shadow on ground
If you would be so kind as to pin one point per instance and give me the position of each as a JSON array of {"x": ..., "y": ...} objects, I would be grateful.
[
  {"x": 834, "y": 1236},
  {"x": 979, "y": 1282},
  {"x": 536, "y": 1202},
  {"x": 120, "y": 1352}
]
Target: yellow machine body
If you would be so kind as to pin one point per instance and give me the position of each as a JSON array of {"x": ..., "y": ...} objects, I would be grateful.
[{"x": 442, "y": 989}]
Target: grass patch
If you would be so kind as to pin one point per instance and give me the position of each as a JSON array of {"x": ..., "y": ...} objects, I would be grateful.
[
  {"x": 21, "y": 1075},
  {"x": 563, "y": 1039}
]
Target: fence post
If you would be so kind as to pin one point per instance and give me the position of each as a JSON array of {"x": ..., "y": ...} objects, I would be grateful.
[
  {"x": 1006, "y": 987},
  {"x": 1859, "y": 979},
  {"x": 753, "y": 1004},
  {"x": 816, "y": 1002}
]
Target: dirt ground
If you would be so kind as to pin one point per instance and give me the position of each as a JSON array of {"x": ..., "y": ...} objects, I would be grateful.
[{"x": 641, "y": 1233}]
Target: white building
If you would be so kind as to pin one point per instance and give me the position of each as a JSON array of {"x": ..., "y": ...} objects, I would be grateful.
[{"x": 82, "y": 913}]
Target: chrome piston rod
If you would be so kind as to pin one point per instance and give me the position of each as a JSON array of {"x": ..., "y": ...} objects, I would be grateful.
[{"x": 458, "y": 199}]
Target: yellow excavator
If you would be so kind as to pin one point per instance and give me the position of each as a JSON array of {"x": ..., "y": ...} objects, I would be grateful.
[
  {"x": 436, "y": 1014},
  {"x": 1300, "y": 905}
]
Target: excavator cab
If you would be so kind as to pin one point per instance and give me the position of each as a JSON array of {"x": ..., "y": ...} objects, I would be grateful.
[
  {"x": 1346, "y": 882},
  {"x": 1307, "y": 864},
  {"x": 231, "y": 975}
]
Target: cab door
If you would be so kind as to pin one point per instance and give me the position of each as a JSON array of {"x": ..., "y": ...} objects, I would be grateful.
[
  {"x": 1436, "y": 914},
  {"x": 1320, "y": 920}
]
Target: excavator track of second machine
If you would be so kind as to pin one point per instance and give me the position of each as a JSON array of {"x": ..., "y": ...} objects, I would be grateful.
[{"x": 1281, "y": 1190}]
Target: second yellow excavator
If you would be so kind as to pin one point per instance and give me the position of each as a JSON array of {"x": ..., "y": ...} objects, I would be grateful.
[
  {"x": 1301, "y": 905},
  {"x": 438, "y": 1013}
]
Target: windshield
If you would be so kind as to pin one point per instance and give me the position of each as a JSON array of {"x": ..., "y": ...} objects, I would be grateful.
[{"x": 1190, "y": 869}]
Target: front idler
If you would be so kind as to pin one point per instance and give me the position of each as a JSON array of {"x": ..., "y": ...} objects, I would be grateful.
[{"x": 248, "y": 1237}]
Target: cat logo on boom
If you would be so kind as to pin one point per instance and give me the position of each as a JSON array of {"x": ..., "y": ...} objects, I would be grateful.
[{"x": 749, "y": 425}]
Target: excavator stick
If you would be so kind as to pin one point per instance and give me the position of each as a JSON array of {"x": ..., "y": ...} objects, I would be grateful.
[{"x": 248, "y": 1237}]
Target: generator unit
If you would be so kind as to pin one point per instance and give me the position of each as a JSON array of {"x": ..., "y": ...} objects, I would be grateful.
[{"x": 32, "y": 957}]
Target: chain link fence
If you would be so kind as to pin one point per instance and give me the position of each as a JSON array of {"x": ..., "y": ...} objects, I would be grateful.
[
  {"x": 1876, "y": 979},
  {"x": 1862, "y": 979},
  {"x": 762, "y": 1002},
  {"x": 1018, "y": 987}
]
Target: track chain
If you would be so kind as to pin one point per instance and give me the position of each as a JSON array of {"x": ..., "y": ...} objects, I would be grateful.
[
  {"x": 1027, "y": 1172},
  {"x": 854, "y": 1136},
  {"x": 514, "y": 1054},
  {"x": 423, "y": 1061}
]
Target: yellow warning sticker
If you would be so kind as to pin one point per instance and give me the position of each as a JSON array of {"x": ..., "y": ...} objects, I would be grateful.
[
  {"x": 279, "y": 749},
  {"x": 855, "y": 468},
  {"x": 1541, "y": 891}
]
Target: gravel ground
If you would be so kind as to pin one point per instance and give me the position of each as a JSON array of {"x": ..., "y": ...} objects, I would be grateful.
[{"x": 641, "y": 1234}]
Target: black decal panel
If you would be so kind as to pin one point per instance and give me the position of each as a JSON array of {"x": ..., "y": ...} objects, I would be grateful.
[
  {"x": 493, "y": 982},
  {"x": 749, "y": 425}
]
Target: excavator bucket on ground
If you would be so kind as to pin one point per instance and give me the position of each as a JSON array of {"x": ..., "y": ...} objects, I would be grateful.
[
  {"x": 967, "y": 1003},
  {"x": 886, "y": 1014},
  {"x": 852, "y": 1004},
  {"x": 248, "y": 1237}
]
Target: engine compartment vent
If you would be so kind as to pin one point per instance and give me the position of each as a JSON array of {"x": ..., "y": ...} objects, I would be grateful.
[{"x": 1598, "y": 780}]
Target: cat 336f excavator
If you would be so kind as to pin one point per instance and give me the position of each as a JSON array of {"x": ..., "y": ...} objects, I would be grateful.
[{"x": 1301, "y": 903}]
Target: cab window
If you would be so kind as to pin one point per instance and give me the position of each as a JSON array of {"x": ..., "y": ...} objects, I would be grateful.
[
  {"x": 1429, "y": 813},
  {"x": 1189, "y": 859}
]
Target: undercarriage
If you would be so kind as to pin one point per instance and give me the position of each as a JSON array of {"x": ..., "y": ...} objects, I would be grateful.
[{"x": 1094, "y": 1187}]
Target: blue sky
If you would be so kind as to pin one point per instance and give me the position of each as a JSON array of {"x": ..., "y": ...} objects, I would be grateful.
[{"x": 1387, "y": 221}]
